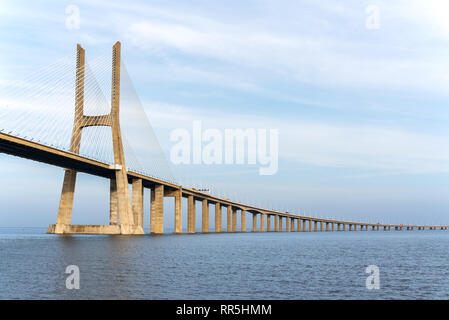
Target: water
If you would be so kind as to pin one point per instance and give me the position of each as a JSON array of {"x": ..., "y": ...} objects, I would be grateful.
[{"x": 413, "y": 265}]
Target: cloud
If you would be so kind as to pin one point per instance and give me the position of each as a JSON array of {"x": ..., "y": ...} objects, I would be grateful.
[{"x": 351, "y": 58}]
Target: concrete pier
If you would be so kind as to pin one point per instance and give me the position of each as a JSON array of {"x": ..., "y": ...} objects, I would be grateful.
[
  {"x": 234, "y": 219},
  {"x": 157, "y": 210},
  {"x": 205, "y": 216},
  {"x": 137, "y": 201},
  {"x": 229, "y": 219},
  {"x": 218, "y": 217},
  {"x": 178, "y": 211},
  {"x": 243, "y": 220},
  {"x": 191, "y": 214}
]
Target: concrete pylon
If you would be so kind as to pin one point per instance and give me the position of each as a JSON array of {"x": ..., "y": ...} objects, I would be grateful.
[
  {"x": 205, "y": 216},
  {"x": 122, "y": 218},
  {"x": 137, "y": 201},
  {"x": 229, "y": 219},
  {"x": 191, "y": 214},
  {"x": 242, "y": 220},
  {"x": 178, "y": 211},
  {"x": 218, "y": 213},
  {"x": 64, "y": 217},
  {"x": 157, "y": 209}
]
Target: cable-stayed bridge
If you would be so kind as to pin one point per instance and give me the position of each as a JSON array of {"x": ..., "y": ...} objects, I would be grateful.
[{"x": 60, "y": 116}]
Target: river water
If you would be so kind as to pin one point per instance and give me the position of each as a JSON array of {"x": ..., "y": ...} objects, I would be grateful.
[{"x": 286, "y": 265}]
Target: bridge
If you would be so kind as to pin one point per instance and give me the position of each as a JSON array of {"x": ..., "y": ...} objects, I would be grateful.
[{"x": 125, "y": 207}]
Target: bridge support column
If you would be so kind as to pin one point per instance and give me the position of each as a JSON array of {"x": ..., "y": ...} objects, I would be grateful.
[
  {"x": 321, "y": 226},
  {"x": 157, "y": 210},
  {"x": 276, "y": 223},
  {"x": 304, "y": 225},
  {"x": 254, "y": 222},
  {"x": 191, "y": 214},
  {"x": 344, "y": 226},
  {"x": 269, "y": 223},
  {"x": 113, "y": 209},
  {"x": 333, "y": 226},
  {"x": 178, "y": 211},
  {"x": 66, "y": 202},
  {"x": 281, "y": 228},
  {"x": 262, "y": 222},
  {"x": 292, "y": 224},
  {"x": 243, "y": 220},
  {"x": 315, "y": 226},
  {"x": 205, "y": 216},
  {"x": 137, "y": 201},
  {"x": 287, "y": 224},
  {"x": 327, "y": 226},
  {"x": 229, "y": 219},
  {"x": 234, "y": 219},
  {"x": 310, "y": 225},
  {"x": 218, "y": 217}
]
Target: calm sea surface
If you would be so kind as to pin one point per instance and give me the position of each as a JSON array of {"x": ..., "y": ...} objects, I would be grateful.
[{"x": 413, "y": 265}]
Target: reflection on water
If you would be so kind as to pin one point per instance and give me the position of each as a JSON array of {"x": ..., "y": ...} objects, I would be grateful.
[{"x": 413, "y": 264}]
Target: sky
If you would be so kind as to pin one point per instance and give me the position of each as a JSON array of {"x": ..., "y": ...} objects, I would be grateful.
[{"x": 360, "y": 104}]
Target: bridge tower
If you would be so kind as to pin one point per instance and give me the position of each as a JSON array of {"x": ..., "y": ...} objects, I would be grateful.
[{"x": 121, "y": 219}]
